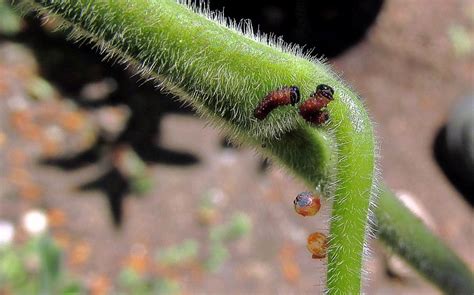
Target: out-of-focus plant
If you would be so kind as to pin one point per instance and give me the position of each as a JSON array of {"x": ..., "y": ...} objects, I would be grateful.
[
  {"x": 178, "y": 254},
  {"x": 132, "y": 282},
  {"x": 461, "y": 39},
  {"x": 220, "y": 235},
  {"x": 35, "y": 268},
  {"x": 10, "y": 21}
]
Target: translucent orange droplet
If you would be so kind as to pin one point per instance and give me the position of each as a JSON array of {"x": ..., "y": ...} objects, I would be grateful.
[
  {"x": 317, "y": 245},
  {"x": 307, "y": 204}
]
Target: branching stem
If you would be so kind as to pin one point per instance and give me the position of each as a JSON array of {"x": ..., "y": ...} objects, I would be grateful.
[{"x": 224, "y": 70}]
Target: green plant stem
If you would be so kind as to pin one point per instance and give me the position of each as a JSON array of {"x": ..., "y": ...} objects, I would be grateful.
[
  {"x": 224, "y": 75},
  {"x": 408, "y": 237}
]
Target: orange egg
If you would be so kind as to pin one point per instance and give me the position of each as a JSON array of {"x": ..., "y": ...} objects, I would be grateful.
[
  {"x": 307, "y": 204},
  {"x": 317, "y": 245}
]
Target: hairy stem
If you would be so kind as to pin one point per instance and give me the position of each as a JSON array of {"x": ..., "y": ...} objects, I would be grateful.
[
  {"x": 407, "y": 236},
  {"x": 224, "y": 73}
]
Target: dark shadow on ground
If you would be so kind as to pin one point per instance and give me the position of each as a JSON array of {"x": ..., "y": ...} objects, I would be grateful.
[
  {"x": 115, "y": 188},
  {"x": 69, "y": 68}
]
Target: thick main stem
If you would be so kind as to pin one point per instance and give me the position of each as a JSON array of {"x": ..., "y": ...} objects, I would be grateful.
[{"x": 224, "y": 74}]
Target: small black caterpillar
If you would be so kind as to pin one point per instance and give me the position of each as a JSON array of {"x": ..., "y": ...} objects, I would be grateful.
[{"x": 280, "y": 97}]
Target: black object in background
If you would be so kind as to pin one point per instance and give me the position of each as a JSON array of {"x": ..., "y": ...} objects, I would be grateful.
[
  {"x": 454, "y": 148},
  {"x": 330, "y": 27}
]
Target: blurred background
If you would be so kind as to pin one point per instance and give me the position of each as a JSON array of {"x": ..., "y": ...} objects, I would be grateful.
[{"x": 108, "y": 186}]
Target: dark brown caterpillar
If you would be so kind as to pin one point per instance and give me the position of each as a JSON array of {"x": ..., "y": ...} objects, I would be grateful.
[
  {"x": 283, "y": 96},
  {"x": 312, "y": 110}
]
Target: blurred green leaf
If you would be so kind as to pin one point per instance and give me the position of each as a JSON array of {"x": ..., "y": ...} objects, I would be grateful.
[
  {"x": 10, "y": 21},
  {"x": 178, "y": 254},
  {"x": 12, "y": 270},
  {"x": 240, "y": 225},
  {"x": 50, "y": 257},
  {"x": 218, "y": 254},
  {"x": 142, "y": 184},
  {"x": 72, "y": 288},
  {"x": 462, "y": 41},
  {"x": 167, "y": 287},
  {"x": 35, "y": 268},
  {"x": 40, "y": 89},
  {"x": 132, "y": 282}
]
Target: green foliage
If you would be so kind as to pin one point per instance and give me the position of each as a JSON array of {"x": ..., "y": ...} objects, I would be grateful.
[
  {"x": 34, "y": 268},
  {"x": 10, "y": 21},
  {"x": 178, "y": 254},
  {"x": 240, "y": 225},
  {"x": 134, "y": 169},
  {"x": 167, "y": 287},
  {"x": 37, "y": 267},
  {"x": 218, "y": 254},
  {"x": 462, "y": 41},
  {"x": 220, "y": 236},
  {"x": 129, "y": 281},
  {"x": 50, "y": 257}
]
